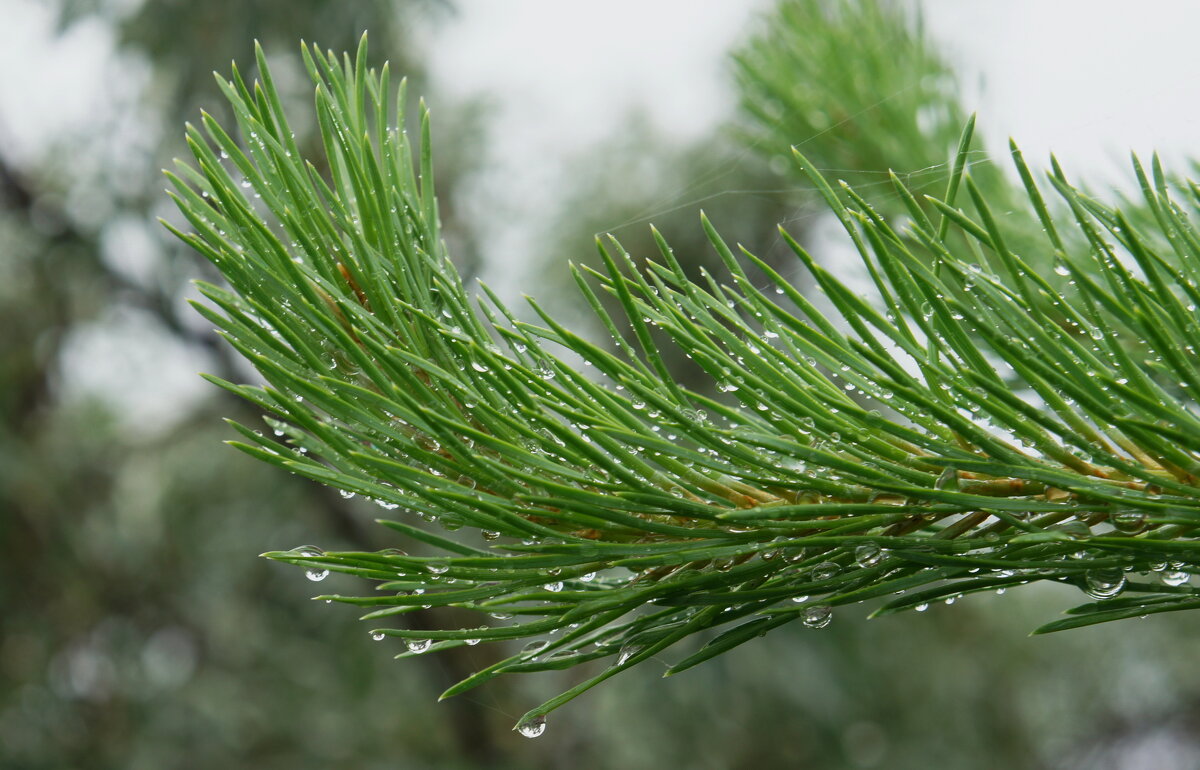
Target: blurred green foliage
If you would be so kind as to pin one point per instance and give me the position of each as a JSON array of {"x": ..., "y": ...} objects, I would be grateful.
[
  {"x": 869, "y": 93},
  {"x": 140, "y": 631}
]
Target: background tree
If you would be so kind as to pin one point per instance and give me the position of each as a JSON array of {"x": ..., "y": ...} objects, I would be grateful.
[{"x": 126, "y": 639}]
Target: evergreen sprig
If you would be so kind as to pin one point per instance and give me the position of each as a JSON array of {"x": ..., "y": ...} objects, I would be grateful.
[{"x": 974, "y": 426}]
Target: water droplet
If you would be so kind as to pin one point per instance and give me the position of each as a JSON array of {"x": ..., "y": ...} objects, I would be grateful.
[
  {"x": 1174, "y": 577},
  {"x": 534, "y": 647},
  {"x": 921, "y": 607},
  {"x": 437, "y": 567},
  {"x": 378, "y": 636},
  {"x": 418, "y": 646},
  {"x": 479, "y": 367},
  {"x": 818, "y": 616},
  {"x": 315, "y": 574},
  {"x": 589, "y": 577},
  {"x": 868, "y": 555},
  {"x": 346, "y": 494},
  {"x": 947, "y": 480},
  {"x": 800, "y": 599},
  {"x": 471, "y": 642},
  {"x": 1060, "y": 268},
  {"x": 825, "y": 570},
  {"x": 1074, "y": 529},
  {"x": 554, "y": 587},
  {"x": 1104, "y": 583},
  {"x": 627, "y": 652},
  {"x": 532, "y": 728},
  {"x": 1129, "y": 521}
]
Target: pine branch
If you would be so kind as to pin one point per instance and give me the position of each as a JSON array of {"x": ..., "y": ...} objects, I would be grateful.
[{"x": 971, "y": 429}]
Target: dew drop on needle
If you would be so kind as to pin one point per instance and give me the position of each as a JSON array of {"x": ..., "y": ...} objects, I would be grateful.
[{"x": 532, "y": 728}]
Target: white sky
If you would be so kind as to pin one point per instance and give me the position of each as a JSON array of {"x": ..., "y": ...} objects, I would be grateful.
[
  {"x": 1070, "y": 75},
  {"x": 1087, "y": 79},
  {"x": 558, "y": 69}
]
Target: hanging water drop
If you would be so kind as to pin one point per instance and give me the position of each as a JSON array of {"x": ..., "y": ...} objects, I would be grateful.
[
  {"x": 532, "y": 728},
  {"x": 818, "y": 616},
  {"x": 1104, "y": 583},
  {"x": 378, "y": 636},
  {"x": 418, "y": 646},
  {"x": 1174, "y": 577},
  {"x": 315, "y": 573},
  {"x": 437, "y": 567}
]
